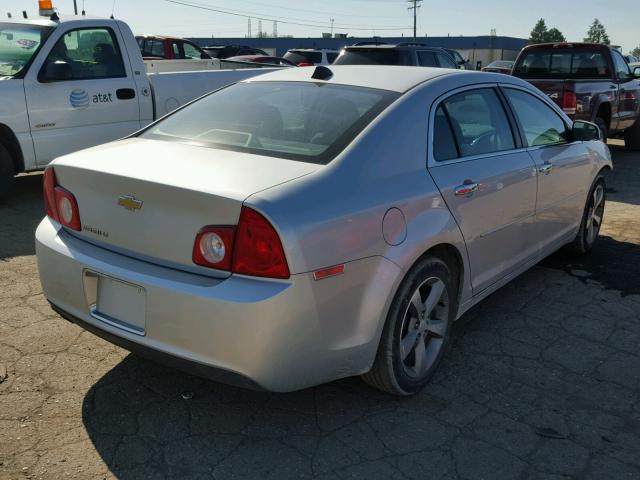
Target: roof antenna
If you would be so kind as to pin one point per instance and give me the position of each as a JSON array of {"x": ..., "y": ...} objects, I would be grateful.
[
  {"x": 113, "y": 7},
  {"x": 24, "y": 14},
  {"x": 322, "y": 73},
  {"x": 9, "y": 14},
  {"x": 83, "y": 12}
]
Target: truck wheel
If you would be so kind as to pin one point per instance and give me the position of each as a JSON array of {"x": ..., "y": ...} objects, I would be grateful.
[
  {"x": 632, "y": 137},
  {"x": 602, "y": 125},
  {"x": 7, "y": 172}
]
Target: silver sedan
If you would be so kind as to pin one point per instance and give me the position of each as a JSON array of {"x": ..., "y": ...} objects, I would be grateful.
[{"x": 317, "y": 223}]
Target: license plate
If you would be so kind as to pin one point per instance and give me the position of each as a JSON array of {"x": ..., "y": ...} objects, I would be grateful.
[{"x": 120, "y": 304}]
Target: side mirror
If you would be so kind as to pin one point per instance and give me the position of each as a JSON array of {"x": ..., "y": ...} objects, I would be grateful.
[
  {"x": 636, "y": 72},
  {"x": 204, "y": 56},
  {"x": 57, "y": 71},
  {"x": 586, "y": 131}
]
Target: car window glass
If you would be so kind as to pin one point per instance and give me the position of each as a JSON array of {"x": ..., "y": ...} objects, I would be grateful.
[
  {"x": 479, "y": 122},
  {"x": 190, "y": 51},
  {"x": 541, "y": 125},
  {"x": 622, "y": 69},
  {"x": 570, "y": 63},
  {"x": 445, "y": 61},
  {"x": 444, "y": 143},
  {"x": 90, "y": 53},
  {"x": 295, "y": 120},
  {"x": 331, "y": 56},
  {"x": 427, "y": 58},
  {"x": 154, "y": 48}
]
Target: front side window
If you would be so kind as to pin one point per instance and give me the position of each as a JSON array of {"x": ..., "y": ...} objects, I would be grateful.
[
  {"x": 541, "y": 125},
  {"x": 177, "y": 53},
  {"x": 90, "y": 53},
  {"x": 445, "y": 61},
  {"x": 191, "y": 51},
  {"x": 18, "y": 46},
  {"x": 296, "y": 120},
  {"x": 623, "y": 71},
  {"x": 477, "y": 121},
  {"x": 427, "y": 58}
]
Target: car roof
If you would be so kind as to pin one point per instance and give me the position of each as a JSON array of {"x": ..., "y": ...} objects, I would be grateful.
[
  {"x": 567, "y": 45},
  {"x": 383, "y": 77}
]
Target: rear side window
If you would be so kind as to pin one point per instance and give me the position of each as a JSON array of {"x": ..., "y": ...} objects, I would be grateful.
[
  {"x": 565, "y": 63},
  {"x": 427, "y": 58},
  {"x": 90, "y": 53},
  {"x": 476, "y": 120},
  {"x": 541, "y": 125},
  {"x": 295, "y": 120},
  {"x": 331, "y": 56},
  {"x": 153, "y": 48}
]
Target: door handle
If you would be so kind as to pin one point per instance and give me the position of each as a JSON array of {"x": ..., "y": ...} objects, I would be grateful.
[
  {"x": 466, "y": 189},
  {"x": 125, "y": 93},
  {"x": 546, "y": 168}
]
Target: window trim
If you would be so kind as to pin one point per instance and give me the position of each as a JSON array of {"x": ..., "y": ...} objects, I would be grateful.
[
  {"x": 553, "y": 107},
  {"x": 515, "y": 131},
  {"x": 118, "y": 50}
]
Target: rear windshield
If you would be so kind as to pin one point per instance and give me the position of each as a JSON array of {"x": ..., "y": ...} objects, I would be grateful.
[
  {"x": 377, "y": 56},
  {"x": 294, "y": 120},
  {"x": 565, "y": 63},
  {"x": 296, "y": 56}
]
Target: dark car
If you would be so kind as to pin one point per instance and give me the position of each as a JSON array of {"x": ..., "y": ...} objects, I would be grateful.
[
  {"x": 462, "y": 63},
  {"x": 226, "y": 51},
  {"x": 262, "y": 59},
  {"x": 412, "y": 54},
  {"x": 588, "y": 81},
  {"x": 499, "y": 66},
  {"x": 154, "y": 47}
]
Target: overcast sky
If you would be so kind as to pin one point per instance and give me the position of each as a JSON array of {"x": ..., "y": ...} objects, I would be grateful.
[{"x": 364, "y": 17}]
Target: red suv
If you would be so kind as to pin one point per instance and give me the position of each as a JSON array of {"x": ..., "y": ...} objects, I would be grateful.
[{"x": 168, "y": 48}]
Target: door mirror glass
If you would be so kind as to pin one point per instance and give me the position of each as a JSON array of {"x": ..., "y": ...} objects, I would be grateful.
[
  {"x": 586, "y": 131},
  {"x": 57, "y": 71},
  {"x": 636, "y": 72}
]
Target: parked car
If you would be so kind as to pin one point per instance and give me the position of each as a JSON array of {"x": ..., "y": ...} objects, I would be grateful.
[
  {"x": 71, "y": 84},
  {"x": 154, "y": 47},
  {"x": 263, "y": 59},
  {"x": 225, "y": 51},
  {"x": 499, "y": 66},
  {"x": 589, "y": 82},
  {"x": 415, "y": 54},
  {"x": 631, "y": 59},
  {"x": 318, "y": 223},
  {"x": 309, "y": 56}
]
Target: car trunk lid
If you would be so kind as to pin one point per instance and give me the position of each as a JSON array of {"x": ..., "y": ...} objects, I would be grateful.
[{"x": 148, "y": 199}]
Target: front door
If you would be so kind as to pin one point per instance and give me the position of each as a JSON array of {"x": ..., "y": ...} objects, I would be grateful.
[
  {"x": 628, "y": 92},
  {"x": 563, "y": 166},
  {"x": 88, "y": 100},
  {"x": 488, "y": 183}
]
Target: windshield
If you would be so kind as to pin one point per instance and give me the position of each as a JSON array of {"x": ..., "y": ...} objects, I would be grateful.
[
  {"x": 18, "y": 45},
  {"x": 295, "y": 120},
  {"x": 298, "y": 56},
  {"x": 501, "y": 64},
  {"x": 565, "y": 63}
]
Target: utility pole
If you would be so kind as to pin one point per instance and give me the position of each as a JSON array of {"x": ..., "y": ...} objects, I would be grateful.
[
  {"x": 332, "y": 20},
  {"x": 75, "y": 6},
  {"x": 415, "y": 6},
  {"x": 249, "y": 27},
  {"x": 275, "y": 29}
]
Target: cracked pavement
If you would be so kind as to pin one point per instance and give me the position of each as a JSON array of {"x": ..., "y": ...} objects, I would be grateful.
[{"x": 542, "y": 382}]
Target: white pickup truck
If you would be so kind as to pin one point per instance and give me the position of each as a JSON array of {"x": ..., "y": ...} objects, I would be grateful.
[{"x": 71, "y": 84}]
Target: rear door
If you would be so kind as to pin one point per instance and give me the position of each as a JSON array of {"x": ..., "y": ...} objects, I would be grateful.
[
  {"x": 629, "y": 92},
  {"x": 426, "y": 58},
  {"x": 563, "y": 166},
  {"x": 487, "y": 181},
  {"x": 97, "y": 104}
]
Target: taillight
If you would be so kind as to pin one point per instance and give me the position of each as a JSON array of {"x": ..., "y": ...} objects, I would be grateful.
[
  {"x": 59, "y": 202},
  {"x": 569, "y": 102},
  {"x": 252, "y": 248},
  {"x": 305, "y": 64},
  {"x": 214, "y": 247}
]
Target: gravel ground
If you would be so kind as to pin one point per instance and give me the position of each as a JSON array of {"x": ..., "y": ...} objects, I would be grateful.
[{"x": 543, "y": 381}]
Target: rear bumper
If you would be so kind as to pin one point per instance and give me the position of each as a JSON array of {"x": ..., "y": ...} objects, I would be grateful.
[{"x": 268, "y": 334}]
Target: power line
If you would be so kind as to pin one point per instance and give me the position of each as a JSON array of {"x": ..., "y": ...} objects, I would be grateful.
[{"x": 245, "y": 14}]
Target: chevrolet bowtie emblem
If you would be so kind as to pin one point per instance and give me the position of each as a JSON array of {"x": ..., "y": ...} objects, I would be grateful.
[{"x": 130, "y": 202}]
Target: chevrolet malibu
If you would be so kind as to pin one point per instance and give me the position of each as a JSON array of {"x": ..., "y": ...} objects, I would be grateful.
[{"x": 318, "y": 223}]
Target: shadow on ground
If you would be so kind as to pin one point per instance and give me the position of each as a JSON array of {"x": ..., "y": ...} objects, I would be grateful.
[{"x": 19, "y": 217}]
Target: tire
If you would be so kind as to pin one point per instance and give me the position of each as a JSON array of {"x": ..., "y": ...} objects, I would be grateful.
[
  {"x": 590, "y": 225},
  {"x": 602, "y": 125},
  {"x": 405, "y": 370},
  {"x": 632, "y": 137},
  {"x": 7, "y": 172}
]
